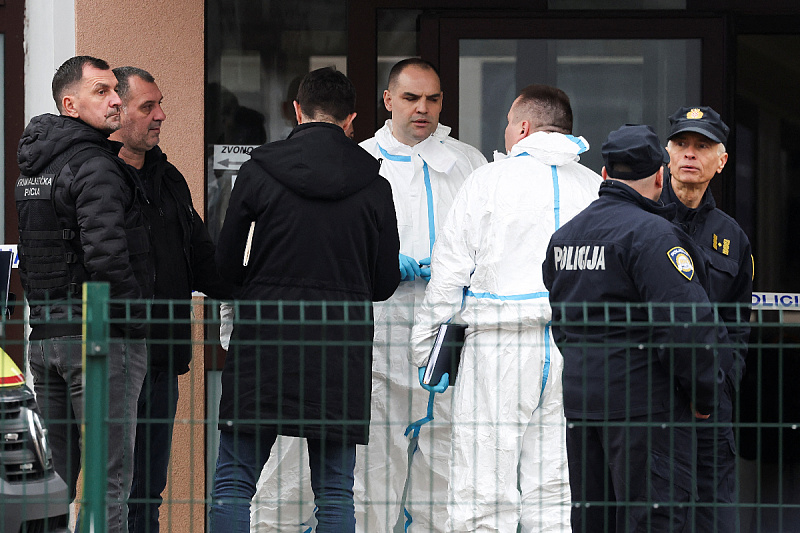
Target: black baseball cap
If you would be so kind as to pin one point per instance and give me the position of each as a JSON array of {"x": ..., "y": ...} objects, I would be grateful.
[
  {"x": 633, "y": 152},
  {"x": 702, "y": 120}
]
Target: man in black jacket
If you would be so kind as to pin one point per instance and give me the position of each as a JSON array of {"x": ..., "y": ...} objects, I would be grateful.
[
  {"x": 642, "y": 352},
  {"x": 79, "y": 221},
  {"x": 312, "y": 224},
  {"x": 184, "y": 261},
  {"x": 697, "y": 153}
]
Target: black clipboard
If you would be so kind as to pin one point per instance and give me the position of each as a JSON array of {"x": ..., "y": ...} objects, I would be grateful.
[{"x": 446, "y": 354}]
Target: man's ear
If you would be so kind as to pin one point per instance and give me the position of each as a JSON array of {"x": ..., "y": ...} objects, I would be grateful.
[
  {"x": 298, "y": 113},
  {"x": 660, "y": 178},
  {"x": 69, "y": 105},
  {"x": 348, "y": 123},
  {"x": 722, "y": 160},
  {"x": 526, "y": 129},
  {"x": 604, "y": 174},
  {"x": 387, "y": 100}
]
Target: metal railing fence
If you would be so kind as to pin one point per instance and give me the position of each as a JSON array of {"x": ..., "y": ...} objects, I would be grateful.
[{"x": 324, "y": 337}]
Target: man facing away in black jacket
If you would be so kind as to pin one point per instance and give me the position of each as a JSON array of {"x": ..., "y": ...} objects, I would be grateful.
[
  {"x": 643, "y": 353},
  {"x": 311, "y": 233},
  {"x": 183, "y": 255}
]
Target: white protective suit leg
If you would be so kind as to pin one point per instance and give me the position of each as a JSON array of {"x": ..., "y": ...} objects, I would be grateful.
[
  {"x": 426, "y": 501},
  {"x": 397, "y": 401},
  {"x": 497, "y": 391},
  {"x": 543, "y": 470},
  {"x": 284, "y": 500}
]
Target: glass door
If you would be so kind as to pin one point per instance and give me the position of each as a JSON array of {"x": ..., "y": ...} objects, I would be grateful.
[{"x": 615, "y": 71}]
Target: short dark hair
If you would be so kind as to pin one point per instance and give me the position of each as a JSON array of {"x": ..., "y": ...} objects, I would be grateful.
[
  {"x": 547, "y": 108},
  {"x": 326, "y": 93},
  {"x": 71, "y": 72},
  {"x": 124, "y": 74},
  {"x": 400, "y": 66}
]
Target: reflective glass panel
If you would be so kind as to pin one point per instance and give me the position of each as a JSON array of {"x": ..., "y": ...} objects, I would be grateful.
[
  {"x": 257, "y": 51},
  {"x": 610, "y": 82},
  {"x": 397, "y": 39}
]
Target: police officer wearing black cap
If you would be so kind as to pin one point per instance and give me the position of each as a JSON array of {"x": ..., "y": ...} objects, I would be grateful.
[
  {"x": 697, "y": 149},
  {"x": 627, "y": 299}
]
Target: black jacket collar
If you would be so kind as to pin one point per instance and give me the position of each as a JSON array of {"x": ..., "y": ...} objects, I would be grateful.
[{"x": 621, "y": 191}]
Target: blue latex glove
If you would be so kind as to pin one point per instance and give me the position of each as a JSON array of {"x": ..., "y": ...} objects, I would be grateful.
[
  {"x": 425, "y": 269},
  {"x": 408, "y": 268},
  {"x": 441, "y": 387}
]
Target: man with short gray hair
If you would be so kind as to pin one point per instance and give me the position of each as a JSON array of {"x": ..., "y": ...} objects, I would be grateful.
[
  {"x": 697, "y": 153},
  {"x": 184, "y": 261}
]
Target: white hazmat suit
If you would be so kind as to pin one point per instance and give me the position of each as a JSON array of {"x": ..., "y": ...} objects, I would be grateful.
[
  {"x": 509, "y": 460},
  {"x": 425, "y": 179}
]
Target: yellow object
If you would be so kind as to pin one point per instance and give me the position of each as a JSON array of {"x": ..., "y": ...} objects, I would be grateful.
[
  {"x": 10, "y": 376},
  {"x": 694, "y": 113}
]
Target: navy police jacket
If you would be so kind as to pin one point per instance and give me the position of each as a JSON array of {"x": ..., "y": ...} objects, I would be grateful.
[
  {"x": 630, "y": 314},
  {"x": 729, "y": 265}
]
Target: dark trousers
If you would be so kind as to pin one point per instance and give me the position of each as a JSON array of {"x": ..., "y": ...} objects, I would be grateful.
[
  {"x": 716, "y": 470},
  {"x": 241, "y": 458},
  {"x": 157, "y": 404},
  {"x": 57, "y": 365},
  {"x": 631, "y": 475}
]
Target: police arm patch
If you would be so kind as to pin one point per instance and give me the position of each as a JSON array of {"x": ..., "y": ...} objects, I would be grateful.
[{"x": 682, "y": 261}]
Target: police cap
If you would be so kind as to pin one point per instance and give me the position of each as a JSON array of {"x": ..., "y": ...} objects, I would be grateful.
[
  {"x": 702, "y": 120},
  {"x": 633, "y": 152}
]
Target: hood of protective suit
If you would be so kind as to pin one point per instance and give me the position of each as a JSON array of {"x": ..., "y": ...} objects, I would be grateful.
[
  {"x": 322, "y": 166},
  {"x": 551, "y": 148},
  {"x": 47, "y": 136}
]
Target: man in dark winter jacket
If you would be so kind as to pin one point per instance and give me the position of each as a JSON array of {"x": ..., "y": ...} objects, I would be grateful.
[
  {"x": 184, "y": 261},
  {"x": 79, "y": 221},
  {"x": 697, "y": 153},
  {"x": 643, "y": 355},
  {"x": 310, "y": 224}
]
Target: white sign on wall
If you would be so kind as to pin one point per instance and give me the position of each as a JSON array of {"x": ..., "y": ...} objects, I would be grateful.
[{"x": 231, "y": 156}]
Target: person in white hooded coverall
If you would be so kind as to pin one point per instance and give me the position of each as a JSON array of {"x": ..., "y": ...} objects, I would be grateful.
[
  {"x": 426, "y": 168},
  {"x": 509, "y": 460}
]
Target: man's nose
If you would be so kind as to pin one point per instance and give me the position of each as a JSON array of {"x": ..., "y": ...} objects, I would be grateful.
[
  {"x": 422, "y": 106},
  {"x": 115, "y": 100},
  {"x": 160, "y": 115}
]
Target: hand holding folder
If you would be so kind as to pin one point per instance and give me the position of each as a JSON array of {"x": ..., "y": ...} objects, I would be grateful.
[{"x": 445, "y": 355}]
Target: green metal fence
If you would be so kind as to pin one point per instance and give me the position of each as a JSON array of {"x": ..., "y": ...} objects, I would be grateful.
[{"x": 766, "y": 419}]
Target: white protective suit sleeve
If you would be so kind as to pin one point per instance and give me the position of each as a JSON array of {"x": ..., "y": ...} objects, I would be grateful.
[
  {"x": 450, "y": 273},
  {"x": 225, "y": 324}
]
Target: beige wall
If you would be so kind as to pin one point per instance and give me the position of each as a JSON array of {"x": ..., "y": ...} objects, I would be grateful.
[{"x": 165, "y": 37}]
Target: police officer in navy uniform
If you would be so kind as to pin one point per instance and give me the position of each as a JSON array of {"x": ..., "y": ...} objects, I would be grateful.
[
  {"x": 642, "y": 356},
  {"x": 697, "y": 153}
]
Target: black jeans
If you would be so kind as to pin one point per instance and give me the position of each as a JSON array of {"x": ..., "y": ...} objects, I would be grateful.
[
  {"x": 631, "y": 475},
  {"x": 158, "y": 402}
]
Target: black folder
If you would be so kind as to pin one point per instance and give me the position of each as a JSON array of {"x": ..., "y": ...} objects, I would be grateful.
[{"x": 445, "y": 354}]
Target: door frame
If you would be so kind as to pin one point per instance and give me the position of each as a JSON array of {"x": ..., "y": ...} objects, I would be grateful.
[{"x": 12, "y": 25}]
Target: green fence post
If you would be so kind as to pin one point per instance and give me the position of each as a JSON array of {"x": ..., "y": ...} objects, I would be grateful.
[{"x": 94, "y": 457}]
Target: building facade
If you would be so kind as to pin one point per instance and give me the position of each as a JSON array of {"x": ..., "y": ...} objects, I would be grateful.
[{"x": 229, "y": 69}]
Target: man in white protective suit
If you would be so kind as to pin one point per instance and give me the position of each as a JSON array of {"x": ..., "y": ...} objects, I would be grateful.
[
  {"x": 509, "y": 459},
  {"x": 426, "y": 168}
]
